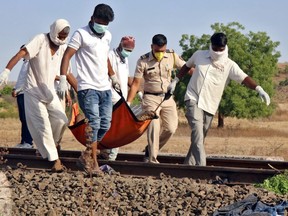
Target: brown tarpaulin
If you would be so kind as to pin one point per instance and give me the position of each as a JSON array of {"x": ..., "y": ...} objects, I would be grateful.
[{"x": 125, "y": 127}]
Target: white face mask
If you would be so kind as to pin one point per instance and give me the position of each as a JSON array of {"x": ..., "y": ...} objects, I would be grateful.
[
  {"x": 125, "y": 53},
  {"x": 100, "y": 28},
  {"x": 219, "y": 59},
  {"x": 59, "y": 42}
]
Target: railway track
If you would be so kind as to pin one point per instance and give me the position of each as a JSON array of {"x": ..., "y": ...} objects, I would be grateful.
[{"x": 229, "y": 170}]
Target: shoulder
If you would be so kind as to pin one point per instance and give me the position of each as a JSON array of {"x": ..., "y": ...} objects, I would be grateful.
[
  {"x": 202, "y": 54},
  {"x": 170, "y": 51},
  {"x": 37, "y": 40},
  {"x": 82, "y": 30},
  {"x": 145, "y": 56},
  {"x": 40, "y": 37}
]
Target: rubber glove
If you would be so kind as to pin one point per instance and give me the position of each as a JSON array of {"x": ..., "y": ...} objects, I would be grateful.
[
  {"x": 140, "y": 95},
  {"x": 62, "y": 87},
  {"x": 172, "y": 85},
  {"x": 263, "y": 95},
  {"x": 115, "y": 82},
  {"x": 4, "y": 76}
]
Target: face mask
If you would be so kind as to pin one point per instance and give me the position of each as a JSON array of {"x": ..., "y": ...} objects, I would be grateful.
[
  {"x": 59, "y": 42},
  {"x": 125, "y": 53},
  {"x": 159, "y": 55},
  {"x": 219, "y": 55},
  {"x": 100, "y": 28}
]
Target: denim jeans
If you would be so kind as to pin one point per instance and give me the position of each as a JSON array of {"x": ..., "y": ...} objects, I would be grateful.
[
  {"x": 97, "y": 108},
  {"x": 25, "y": 133}
]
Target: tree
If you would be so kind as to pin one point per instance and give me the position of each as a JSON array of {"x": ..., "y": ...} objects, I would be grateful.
[{"x": 255, "y": 53}]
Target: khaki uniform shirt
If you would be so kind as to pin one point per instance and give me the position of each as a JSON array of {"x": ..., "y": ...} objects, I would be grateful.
[{"x": 157, "y": 75}]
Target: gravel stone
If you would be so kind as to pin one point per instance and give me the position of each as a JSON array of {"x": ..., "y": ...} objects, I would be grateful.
[{"x": 74, "y": 193}]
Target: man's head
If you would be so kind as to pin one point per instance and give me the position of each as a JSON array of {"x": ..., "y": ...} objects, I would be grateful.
[
  {"x": 102, "y": 16},
  {"x": 127, "y": 45},
  {"x": 218, "y": 41},
  {"x": 59, "y": 31},
  {"x": 218, "y": 50},
  {"x": 159, "y": 43}
]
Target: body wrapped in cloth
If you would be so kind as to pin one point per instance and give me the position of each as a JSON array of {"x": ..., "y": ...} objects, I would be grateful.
[{"x": 125, "y": 128}]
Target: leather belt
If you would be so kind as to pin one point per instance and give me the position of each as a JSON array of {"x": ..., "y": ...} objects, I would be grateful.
[{"x": 156, "y": 94}]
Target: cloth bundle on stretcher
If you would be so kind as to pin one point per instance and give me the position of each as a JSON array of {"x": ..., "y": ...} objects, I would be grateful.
[{"x": 125, "y": 126}]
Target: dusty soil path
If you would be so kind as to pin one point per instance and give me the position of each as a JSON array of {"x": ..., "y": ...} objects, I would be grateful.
[{"x": 261, "y": 137}]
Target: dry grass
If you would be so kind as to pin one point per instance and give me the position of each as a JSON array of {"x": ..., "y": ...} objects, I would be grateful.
[{"x": 261, "y": 137}]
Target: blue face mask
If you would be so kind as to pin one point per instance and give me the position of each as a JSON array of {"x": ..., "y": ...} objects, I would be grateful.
[
  {"x": 125, "y": 53},
  {"x": 100, "y": 28}
]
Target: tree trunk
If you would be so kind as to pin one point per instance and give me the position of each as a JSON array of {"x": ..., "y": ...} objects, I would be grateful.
[{"x": 220, "y": 120}]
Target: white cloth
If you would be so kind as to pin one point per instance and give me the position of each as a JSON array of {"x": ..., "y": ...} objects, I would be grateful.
[
  {"x": 46, "y": 123},
  {"x": 43, "y": 68},
  {"x": 207, "y": 83},
  {"x": 91, "y": 59},
  {"x": 219, "y": 59},
  {"x": 22, "y": 77},
  {"x": 56, "y": 28},
  {"x": 122, "y": 72},
  {"x": 45, "y": 116}
]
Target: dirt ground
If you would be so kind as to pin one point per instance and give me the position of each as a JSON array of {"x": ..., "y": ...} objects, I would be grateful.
[{"x": 261, "y": 137}]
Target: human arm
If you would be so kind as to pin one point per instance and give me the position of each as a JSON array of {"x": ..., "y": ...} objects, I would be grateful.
[
  {"x": 250, "y": 83},
  {"x": 13, "y": 61},
  {"x": 72, "y": 81},
  {"x": 183, "y": 71},
  {"x": 113, "y": 77},
  {"x": 65, "y": 65}
]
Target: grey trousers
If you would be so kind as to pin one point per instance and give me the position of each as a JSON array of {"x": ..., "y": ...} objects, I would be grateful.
[{"x": 200, "y": 122}]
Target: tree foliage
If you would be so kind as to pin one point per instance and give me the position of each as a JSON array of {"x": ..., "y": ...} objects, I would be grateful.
[{"x": 256, "y": 55}]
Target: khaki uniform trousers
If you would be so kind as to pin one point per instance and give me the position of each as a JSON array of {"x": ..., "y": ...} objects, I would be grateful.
[
  {"x": 46, "y": 123},
  {"x": 162, "y": 129}
]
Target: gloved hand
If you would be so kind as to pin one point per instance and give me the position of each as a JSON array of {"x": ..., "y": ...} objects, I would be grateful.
[
  {"x": 62, "y": 87},
  {"x": 264, "y": 96},
  {"x": 115, "y": 82},
  {"x": 172, "y": 85},
  {"x": 4, "y": 76},
  {"x": 140, "y": 95}
]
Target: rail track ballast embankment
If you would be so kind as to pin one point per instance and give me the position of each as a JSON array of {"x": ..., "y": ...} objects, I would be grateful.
[{"x": 229, "y": 170}]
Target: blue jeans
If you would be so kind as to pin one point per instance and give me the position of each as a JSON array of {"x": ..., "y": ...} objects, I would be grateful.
[
  {"x": 97, "y": 108},
  {"x": 25, "y": 133}
]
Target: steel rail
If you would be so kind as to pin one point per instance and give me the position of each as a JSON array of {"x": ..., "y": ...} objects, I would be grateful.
[
  {"x": 227, "y": 175},
  {"x": 174, "y": 159}
]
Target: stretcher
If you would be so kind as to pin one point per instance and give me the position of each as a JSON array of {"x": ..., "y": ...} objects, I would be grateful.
[{"x": 125, "y": 126}]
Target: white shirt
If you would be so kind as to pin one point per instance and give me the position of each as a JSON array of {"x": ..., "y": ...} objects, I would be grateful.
[
  {"x": 91, "y": 59},
  {"x": 207, "y": 83},
  {"x": 43, "y": 68},
  {"x": 122, "y": 72},
  {"x": 22, "y": 77}
]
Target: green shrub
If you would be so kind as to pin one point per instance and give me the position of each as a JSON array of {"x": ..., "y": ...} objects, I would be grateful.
[
  {"x": 277, "y": 183},
  {"x": 8, "y": 106},
  {"x": 6, "y": 90}
]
